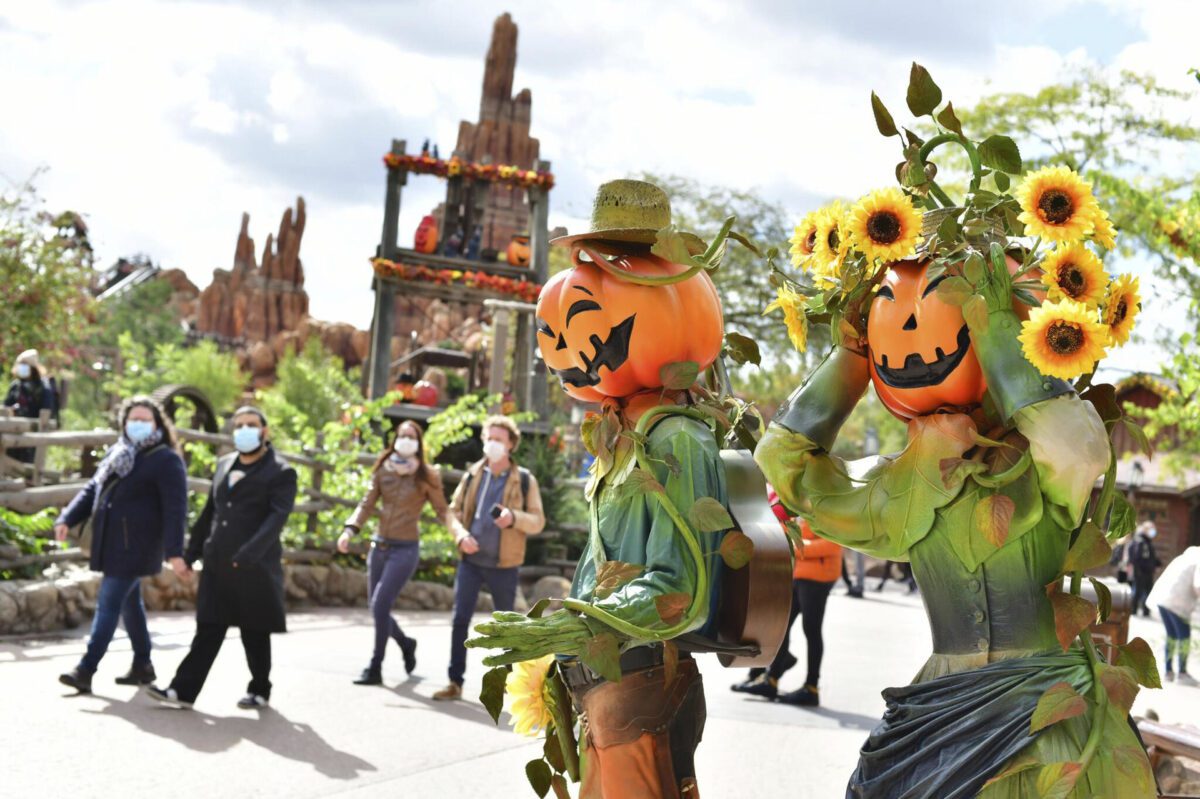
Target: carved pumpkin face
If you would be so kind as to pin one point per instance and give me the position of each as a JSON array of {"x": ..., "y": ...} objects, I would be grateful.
[
  {"x": 920, "y": 351},
  {"x": 518, "y": 250},
  {"x": 426, "y": 238},
  {"x": 605, "y": 337}
]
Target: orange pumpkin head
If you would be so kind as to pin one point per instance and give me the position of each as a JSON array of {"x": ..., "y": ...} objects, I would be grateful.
[
  {"x": 517, "y": 253},
  {"x": 425, "y": 240},
  {"x": 606, "y": 337}
]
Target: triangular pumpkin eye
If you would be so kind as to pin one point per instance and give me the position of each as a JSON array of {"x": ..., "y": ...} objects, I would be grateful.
[{"x": 562, "y": 343}]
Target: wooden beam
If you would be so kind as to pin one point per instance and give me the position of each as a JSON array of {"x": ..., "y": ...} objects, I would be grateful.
[
  {"x": 435, "y": 261},
  {"x": 539, "y": 243},
  {"x": 383, "y": 321}
]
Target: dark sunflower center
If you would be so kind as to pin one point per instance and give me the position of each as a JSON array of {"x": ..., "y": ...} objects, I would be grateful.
[
  {"x": 810, "y": 242},
  {"x": 1072, "y": 280},
  {"x": 1122, "y": 310},
  {"x": 1056, "y": 206},
  {"x": 883, "y": 227},
  {"x": 1064, "y": 338},
  {"x": 832, "y": 240}
]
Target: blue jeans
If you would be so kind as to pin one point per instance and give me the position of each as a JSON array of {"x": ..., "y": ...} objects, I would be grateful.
[
  {"x": 1179, "y": 638},
  {"x": 470, "y": 578},
  {"x": 388, "y": 569},
  {"x": 119, "y": 598}
]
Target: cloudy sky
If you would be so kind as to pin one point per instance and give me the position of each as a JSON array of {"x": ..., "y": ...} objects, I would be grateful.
[{"x": 164, "y": 121}]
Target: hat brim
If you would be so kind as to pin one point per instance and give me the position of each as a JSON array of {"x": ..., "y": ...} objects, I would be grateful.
[{"x": 637, "y": 235}]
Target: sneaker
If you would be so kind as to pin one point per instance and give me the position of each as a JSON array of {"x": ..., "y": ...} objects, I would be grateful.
[
  {"x": 408, "y": 647},
  {"x": 450, "y": 692},
  {"x": 1169, "y": 676},
  {"x": 857, "y": 593},
  {"x": 78, "y": 679},
  {"x": 764, "y": 686},
  {"x": 1186, "y": 679},
  {"x": 142, "y": 674},
  {"x": 253, "y": 702},
  {"x": 167, "y": 697},
  {"x": 805, "y": 697},
  {"x": 370, "y": 676}
]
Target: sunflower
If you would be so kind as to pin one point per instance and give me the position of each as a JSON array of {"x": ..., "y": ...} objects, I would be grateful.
[
  {"x": 1073, "y": 272},
  {"x": 792, "y": 305},
  {"x": 1121, "y": 307},
  {"x": 804, "y": 239},
  {"x": 1063, "y": 339},
  {"x": 832, "y": 242},
  {"x": 884, "y": 225},
  {"x": 1057, "y": 204},
  {"x": 1104, "y": 233},
  {"x": 526, "y": 685}
]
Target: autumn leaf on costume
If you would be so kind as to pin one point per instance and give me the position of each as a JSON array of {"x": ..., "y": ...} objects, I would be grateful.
[
  {"x": 993, "y": 515},
  {"x": 679, "y": 375},
  {"x": 956, "y": 470},
  {"x": 1120, "y": 684},
  {"x": 1072, "y": 614},
  {"x": 613, "y": 574},
  {"x": 736, "y": 549},
  {"x": 1060, "y": 702},
  {"x": 1103, "y": 599},
  {"x": 538, "y": 774},
  {"x": 1133, "y": 763},
  {"x": 492, "y": 695},
  {"x": 588, "y": 430},
  {"x": 710, "y": 516},
  {"x": 1057, "y": 780},
  {"x": 602, "y": 655},
  {"x": 1021, "y": 763},
  {"x": 1090, "y": 550},
  {"x": 1139, "y": 658},
  {"x": 559, "y": 784},
  {"x": 640, "y": 481},
  {"x": 670, "y": 607}
]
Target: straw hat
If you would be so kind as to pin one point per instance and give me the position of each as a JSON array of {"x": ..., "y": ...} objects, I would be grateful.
[{"x": 630, "y": 211}]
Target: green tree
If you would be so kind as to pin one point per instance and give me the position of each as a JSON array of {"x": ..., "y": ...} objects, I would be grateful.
[
  {"x": 311, "y": 389},
  {"x": 204, "y": 366},
  {"x": 45, "y": 277}
]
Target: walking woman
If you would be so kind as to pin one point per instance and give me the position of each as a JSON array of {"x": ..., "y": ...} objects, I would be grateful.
[
  {"x": 137, "y": 501},
  {"x": 1177, "y": 593},
  {"x": 404, "y": 482}
]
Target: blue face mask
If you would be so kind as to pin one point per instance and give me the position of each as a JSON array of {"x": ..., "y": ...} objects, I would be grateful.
[
  {"x": 138, "y": 431},
  {"x": 247, "y": 439},
  {"x": 24, "y": 372}
]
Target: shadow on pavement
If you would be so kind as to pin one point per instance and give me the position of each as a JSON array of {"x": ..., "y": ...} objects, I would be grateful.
[
  {"x": 468, "y": 708},
  {"x": 855, "y": 721},
  {"x": 212, "y": 734}
]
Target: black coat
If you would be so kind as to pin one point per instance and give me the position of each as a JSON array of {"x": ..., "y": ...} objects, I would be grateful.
[
  {"x": 237, "y": 538},
  {"x": 141, "y": 517}
]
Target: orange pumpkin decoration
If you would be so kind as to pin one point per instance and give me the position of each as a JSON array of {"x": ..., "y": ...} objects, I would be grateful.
[
  {"x": 517, "y": 253},
  {"x": 425, "y": 240},
  {"x": 920, "y": 351},
  {"x": 606, "y": 337}
]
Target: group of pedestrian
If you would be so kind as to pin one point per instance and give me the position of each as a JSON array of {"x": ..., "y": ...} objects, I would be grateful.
[{"x": 136, "y": 507}]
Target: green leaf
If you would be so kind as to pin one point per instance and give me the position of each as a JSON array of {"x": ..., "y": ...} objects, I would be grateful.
[
  {"x": 955, "y": 291},
  {"x": 492, "y": 695},
  {"x": 1089, "y": 551},
  {"x": 912, "y": 174},
  {"x": 883, "y": 119},
  {"x": 559, "y": 783},
  {"x": 1023, "y": 762},
  {"x": 1072, "y": 614},
  {"x": 736, "y": 549},
  {"x": 588, "y": 430},
  {"x": 1059, "y": 703},
  {"x": 673, "y": 464},
  {"x": 538, "y": 609},
  {"x": 1122, "y": 518},
  {"x": 1057, "y": 780},
  {"x": 1002, "y": 180},
  {"x": 670, "y": 245},
  {"x": 1001, "y": 154},
  {"x": 956, "y": 470},
  {"x": 538, "y": 774},
  {"x": 710, "y": 516},
  {"x": 1139, "y": 658},
  {"x": 980, "y": 440},
  {"x": 1139, "y": 436},
  {"x": 975, "y": 312},
  {"x": 613, "y": 574},
  {"x": 923, "y": 94},
  {"x": 670, "y": 607},
  {"x": 1133, "y": 763},
  {"x": 602, "y": 655},
  {"x": 1103, "y": 598},
  {"x": 640, "y": 481},
  {"x": 552, "y": 751},
  {"x": 947, "y": 231},
  {"x": 973, "y": 270},
  {"x": 743, "y": 349},
  {"x": 993, "y": 515},
  {"x": 1120, "y": 684},
  {"x": 679, "y": 375},
  {"x": 948, "y": 120}
]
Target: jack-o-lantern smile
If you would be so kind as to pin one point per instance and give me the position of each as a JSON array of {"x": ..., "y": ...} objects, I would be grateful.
[
  {"x": 916, "y": 372},
  {"x": 610, "y": 352}
]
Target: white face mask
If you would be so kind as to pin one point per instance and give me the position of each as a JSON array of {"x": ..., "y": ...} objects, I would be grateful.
[
  {"x": 494, "y": 451},
  {"x": 24, "y": 371},
  {"x": 406, "y": 447}
]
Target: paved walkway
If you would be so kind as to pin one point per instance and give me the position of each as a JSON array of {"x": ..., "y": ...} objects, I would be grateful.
[{"x": 325, "y": 736}]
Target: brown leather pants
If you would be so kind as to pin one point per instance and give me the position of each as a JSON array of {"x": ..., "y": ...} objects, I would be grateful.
[{"x": 640, "y": 735}]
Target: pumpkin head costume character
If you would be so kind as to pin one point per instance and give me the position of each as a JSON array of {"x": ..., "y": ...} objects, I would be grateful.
[
  {"x": 614, "y": 329},
  {"x": 989, "y": 500}
]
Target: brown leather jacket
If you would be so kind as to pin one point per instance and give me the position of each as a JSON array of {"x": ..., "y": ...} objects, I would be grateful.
[
  {"x": 404, "y": 496},
  {"x": 528, "y": 517}
]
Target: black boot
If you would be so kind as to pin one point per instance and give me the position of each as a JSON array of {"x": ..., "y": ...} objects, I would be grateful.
[
  {"x": 763, "y": 686},
  {"x": 805, "y": 697},
  {"x": 138, "y": 674},
  {"x": 372, "y": 675},
  {"x": 78, "y": 679},
  {"x": 408, "y": 647}
]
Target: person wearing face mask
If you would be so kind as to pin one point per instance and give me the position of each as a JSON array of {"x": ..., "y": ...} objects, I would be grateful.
[
  {"x": 403, "y": 482},
  {"x": 1142, "y": 560},
  {"x": 241, "y": 584},
  {"x": 137, "y": 503},
  {"x": 496, "y": 505},
  {"x": 28, "y": 395}
]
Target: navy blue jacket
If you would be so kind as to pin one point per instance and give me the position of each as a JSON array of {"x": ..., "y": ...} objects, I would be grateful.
[{"x": 141, "y": 516}]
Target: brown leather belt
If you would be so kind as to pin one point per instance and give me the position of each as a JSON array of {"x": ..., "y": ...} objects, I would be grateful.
[
  {"x": 386, "y": 543},
  {"x": 580, "y": 678}
]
